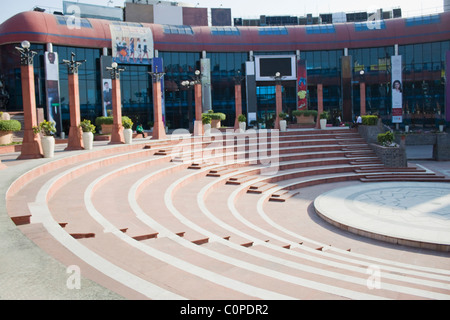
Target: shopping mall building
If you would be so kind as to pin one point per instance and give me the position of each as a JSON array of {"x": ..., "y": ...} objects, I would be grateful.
[{"x": 338, "y": 57}]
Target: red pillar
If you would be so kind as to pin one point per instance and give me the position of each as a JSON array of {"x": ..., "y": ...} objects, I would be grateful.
[
  {"x": 279, "y": 105},
  {"x": 198, "y": 124},
  {"x": 117, "y": 130},
  {"x": 238, "y": 101},
  {"x": 362, "y": 90},
  {"x": 319, "y": 103},
  {"x": 75, "y": 139},
  {"x": 31, "y": 143},
  {"x": 159, "y": 131}
]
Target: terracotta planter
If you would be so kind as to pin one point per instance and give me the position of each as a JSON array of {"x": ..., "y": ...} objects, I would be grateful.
[
  {"x": 107, "y": 128},
  {"x": 215, "y": 124},
  {"x": 305, "y": 119},
  {"x": 5, "y": 137}
]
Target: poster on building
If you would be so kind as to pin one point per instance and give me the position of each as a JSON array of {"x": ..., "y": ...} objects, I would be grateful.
[
  {"x": 205, "y": 65},
  {"x": 397, "y": 89},
  {"x": 131, "y": 45},
  {"x": 105, "y": 62},
  {"x": 302, "y": 86},
  {"x": 52, "y": 90}
]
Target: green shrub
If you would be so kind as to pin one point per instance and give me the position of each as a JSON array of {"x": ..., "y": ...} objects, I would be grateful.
[
  {"x": 206, "y": 119},
  {"x": 369, "y": 120},
  {"x": 217, "y": 116},
  {"x": 306, "y": 113},
  {"x": 103, "y": 120},
  {"x": 127, "y": 123},
  {"x": 242, "y": 118},
  {"x": 282, "y": 115},
  {"x": 47, "y": 128},
  {"x": 325, "y": 115},
  {"x": 10, "y": 125},
  {"x": 385, "y": 139},
  {"x": 87, "y": 126}
]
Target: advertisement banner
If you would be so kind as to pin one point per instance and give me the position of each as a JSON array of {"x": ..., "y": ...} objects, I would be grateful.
[
  {"x": 52, "y": 89},
  {"x": 131, "y": 45},
  {"x": 397, "y": 89},
  {"x": 106, "y": 61},
  {"x": 447, "y": 86},
  {"x": 302, "y": 85}
]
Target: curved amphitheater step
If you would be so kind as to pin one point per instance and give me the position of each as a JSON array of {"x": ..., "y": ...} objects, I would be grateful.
[{"x": 165, "y": 223}]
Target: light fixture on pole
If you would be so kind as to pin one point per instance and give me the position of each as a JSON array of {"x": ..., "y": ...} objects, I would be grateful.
[{"x": 26, "y": 55}]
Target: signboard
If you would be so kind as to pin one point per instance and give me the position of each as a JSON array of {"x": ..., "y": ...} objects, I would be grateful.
[
  {"x": 52, "y": 88},
  {"x": 106, "y": 61},
  {"x": 302, "y": 86},
  {"x": 131, "y": 45},
  {"x": 397, "y": 89}
]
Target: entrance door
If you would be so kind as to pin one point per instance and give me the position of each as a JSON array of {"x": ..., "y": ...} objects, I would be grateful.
[{"x": 265, "y": 100}]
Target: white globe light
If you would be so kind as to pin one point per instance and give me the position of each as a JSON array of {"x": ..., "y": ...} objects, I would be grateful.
[{"x": 25, "y": 44}]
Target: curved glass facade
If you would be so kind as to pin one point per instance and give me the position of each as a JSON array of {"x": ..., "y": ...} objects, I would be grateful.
[{"x": 423, "y": 81}]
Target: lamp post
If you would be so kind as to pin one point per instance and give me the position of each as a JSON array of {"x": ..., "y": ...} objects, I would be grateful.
[
  {"x": 75, "y": 139},
  {"x": 198, "y": 123},
  {"x": 31, "y": 143},
  {"x": 117, "y": 130},
  {"x": 188, "y": 85},
  {"x": 278, "y": 99},
  {"x": 362, "y": 93},
  {"x": 159, "y": 131},
  {"x": 238, "y": 96}
]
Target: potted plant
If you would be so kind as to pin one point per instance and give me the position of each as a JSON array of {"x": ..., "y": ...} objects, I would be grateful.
[
  {"x": 242, "y": 122},
  {"x": 105, "y": 124},
  {"x": 7, "y": 127},
  {"x": 441, "y": 125},
  {"x": 206, "y": 120},
  {"x": 88, "y": 133},
  {"x": 323, "y": 119},
  {"x": 216, "y": 118},
  {"x": 305, "y": 116},
  {"x": 283, "y": 123},
  {"x": 127, "y": 129},
  {"x": 47, "y": 129},
  {"x": 261, "y": 123}
]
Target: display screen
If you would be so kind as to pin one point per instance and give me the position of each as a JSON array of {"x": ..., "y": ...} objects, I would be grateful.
[{"x": 268, "y": 66}]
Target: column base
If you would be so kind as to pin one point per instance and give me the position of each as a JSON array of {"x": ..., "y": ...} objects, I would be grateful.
[
  {"x": 117, "y": 135},
  {"x": 198, "y": 128},
  {"x": 31, "y": 146},
  {"x": 75, "y": 139},
  {"x": 159, "y": 131}
]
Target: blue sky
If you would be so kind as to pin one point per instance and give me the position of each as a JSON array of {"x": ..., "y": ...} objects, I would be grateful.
[{"x": 255, "y": 8}]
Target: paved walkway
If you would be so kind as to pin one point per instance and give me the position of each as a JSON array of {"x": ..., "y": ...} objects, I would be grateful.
[{"x": 415, "y": 213}]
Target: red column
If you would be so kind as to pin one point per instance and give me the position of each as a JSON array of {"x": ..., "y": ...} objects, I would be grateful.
[
  {"x": 75, "y": 139},
  {"x": 31, "y": 144},
  {"x": 319, "y": 103},
  {"x": 279, "y": 105},
  {"x": 362, "y": 90},
  {"x": 117, "y": 130},
  {"x": 159, "y": 131},
  {"x": 198, "y": 124},
  {"x": 238, "y": 101}
]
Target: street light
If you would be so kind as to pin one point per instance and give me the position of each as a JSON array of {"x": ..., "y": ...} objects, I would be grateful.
[
  {"x": 156, "y": 76},
  {"x": 72, "y": 64},
  {"x": 26, "y": 55},
  {"x": 115, "y": 70}
]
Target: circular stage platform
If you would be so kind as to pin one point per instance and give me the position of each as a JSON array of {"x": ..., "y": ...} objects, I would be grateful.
[{"x": 408, "y": 213}]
